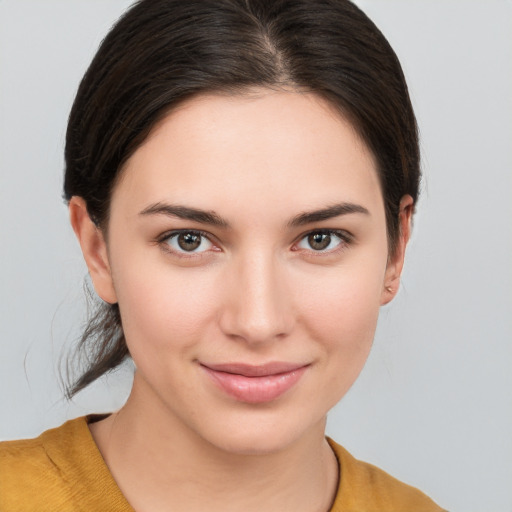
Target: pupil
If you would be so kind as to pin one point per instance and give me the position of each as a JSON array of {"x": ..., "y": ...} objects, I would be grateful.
[
  {"x": 319, "y": 241},
  {"x": 189, "y": 241}
]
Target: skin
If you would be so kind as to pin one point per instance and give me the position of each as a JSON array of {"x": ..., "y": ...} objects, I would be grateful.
[{"x": 254, "y": 292}]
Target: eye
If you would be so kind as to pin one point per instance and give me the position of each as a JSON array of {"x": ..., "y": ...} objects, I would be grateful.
[
  {"x": 322, "y": 241},
  {"x": 188, "y": 242}
]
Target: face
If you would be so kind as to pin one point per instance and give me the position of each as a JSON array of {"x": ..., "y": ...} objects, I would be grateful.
[{"x": 247, "y": 250}]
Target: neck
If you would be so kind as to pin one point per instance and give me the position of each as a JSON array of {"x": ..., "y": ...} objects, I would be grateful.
[{"x": 159, "y": 464}]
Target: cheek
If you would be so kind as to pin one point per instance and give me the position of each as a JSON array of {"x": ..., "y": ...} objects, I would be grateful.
[
  {"x": 341, "y": 314},
  {"x": 344, "y": 318},
  {"x": 345, "y": 299},
  {"x": 162, "y": 307}
]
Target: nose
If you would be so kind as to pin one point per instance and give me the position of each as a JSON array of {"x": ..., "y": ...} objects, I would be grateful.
[{"x": 257, "y": 302}]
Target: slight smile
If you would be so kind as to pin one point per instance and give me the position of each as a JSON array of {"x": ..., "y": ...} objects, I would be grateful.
[{"x": 255, "y": 384}]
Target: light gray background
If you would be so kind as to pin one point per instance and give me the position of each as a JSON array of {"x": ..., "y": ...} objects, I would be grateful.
[{"x": 434, "y": 403}]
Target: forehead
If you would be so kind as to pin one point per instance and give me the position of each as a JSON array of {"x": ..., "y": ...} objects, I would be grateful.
[{"x": 287, "y": 148}]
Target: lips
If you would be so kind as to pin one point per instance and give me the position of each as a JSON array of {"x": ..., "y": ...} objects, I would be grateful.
[{"x": 255, "y": 384}]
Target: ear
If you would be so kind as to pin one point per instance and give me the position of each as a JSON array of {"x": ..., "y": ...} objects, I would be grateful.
[
  {"x": 396, "y": 260},
  {"x": 94, "y": 249}
]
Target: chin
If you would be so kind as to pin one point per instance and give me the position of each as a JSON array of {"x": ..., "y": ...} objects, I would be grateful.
[
  {"x": 256, "y": 444},
  {"x": 261, "y": 435}
]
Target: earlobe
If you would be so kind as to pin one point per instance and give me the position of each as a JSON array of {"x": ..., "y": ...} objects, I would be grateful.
[
  {"x": 396, "y": 260},
  {"x": 94, "y": 249}
]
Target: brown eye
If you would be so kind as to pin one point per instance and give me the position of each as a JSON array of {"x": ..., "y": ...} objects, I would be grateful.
[
  {"x": 189, "y": 241},
  {"x": 319, "y": 241},
  {"x": 324, "y": 241}
]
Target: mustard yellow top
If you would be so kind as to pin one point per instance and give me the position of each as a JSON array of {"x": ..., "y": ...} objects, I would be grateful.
[{"x": 63, "y": 471}]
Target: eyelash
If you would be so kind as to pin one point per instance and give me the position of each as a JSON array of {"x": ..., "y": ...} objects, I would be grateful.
[
  {"x": 165, "y": 239},
  {"x": 345, "y": 239}
]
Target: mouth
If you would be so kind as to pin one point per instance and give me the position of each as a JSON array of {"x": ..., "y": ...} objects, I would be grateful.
[{"x": 255, "y": 384}]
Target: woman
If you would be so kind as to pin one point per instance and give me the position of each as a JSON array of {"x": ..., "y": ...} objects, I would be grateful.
[{"x": 241, "y": 177}]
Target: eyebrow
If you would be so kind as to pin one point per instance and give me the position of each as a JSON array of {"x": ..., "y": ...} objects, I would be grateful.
[
  {"x": 187, "y": 213},
  {"x": 212, "y": 218},
  {"x": 327, "y": 213}
]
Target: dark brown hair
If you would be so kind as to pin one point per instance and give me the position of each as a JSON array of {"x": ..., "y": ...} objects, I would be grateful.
[{"x": 162, "y": 52}]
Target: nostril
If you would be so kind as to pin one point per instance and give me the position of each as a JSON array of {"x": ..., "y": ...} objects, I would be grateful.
[
  {"x": 256, "y": 300},
  {"x": 254, "y": 326}
]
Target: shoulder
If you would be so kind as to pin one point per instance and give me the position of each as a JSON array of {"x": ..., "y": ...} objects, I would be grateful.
[
  {"x": 366, "y": 488},
  {"x": 28, "y": 472},
  {"x": 19, "y": 460},
  {"x": 61, "y": 469}
]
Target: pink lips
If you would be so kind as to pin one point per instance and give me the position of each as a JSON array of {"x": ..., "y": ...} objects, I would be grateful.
[{"x": 255, "y": 384}]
